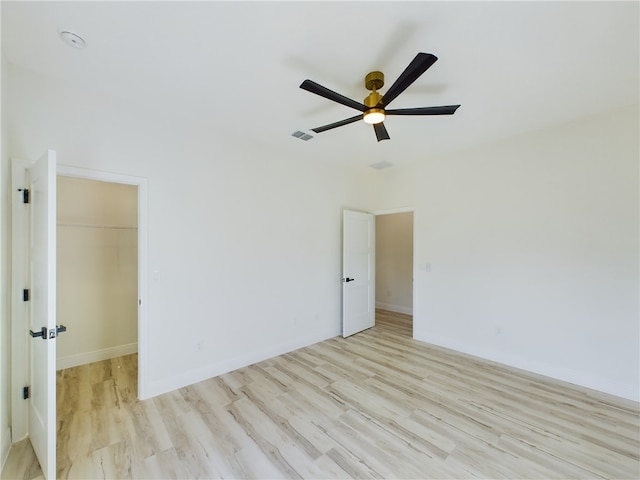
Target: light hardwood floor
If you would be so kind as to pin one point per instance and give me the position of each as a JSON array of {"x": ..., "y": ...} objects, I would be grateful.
[{"x": 376, "y": 405}]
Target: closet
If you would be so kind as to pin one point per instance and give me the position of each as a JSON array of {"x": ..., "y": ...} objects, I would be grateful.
[
  {"x": 97, "y": 270},
  {"x": 394, "y": 262}
]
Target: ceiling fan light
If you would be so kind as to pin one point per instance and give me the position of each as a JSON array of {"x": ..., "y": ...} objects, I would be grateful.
[{"x": 374, "y": 115}]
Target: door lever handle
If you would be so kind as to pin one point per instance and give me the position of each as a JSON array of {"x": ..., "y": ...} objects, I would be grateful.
[
  {"x": 42, "y": 333},
  {"x": 347, "y": 280}
]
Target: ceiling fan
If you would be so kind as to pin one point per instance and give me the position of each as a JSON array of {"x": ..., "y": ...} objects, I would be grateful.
[{"x": 374, "y": 108}]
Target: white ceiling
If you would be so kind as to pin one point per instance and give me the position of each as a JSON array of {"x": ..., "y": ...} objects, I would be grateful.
[{"x": 236, "y": 66}]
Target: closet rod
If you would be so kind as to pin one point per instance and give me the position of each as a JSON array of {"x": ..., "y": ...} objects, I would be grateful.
[{"x": 88, "y": 225}]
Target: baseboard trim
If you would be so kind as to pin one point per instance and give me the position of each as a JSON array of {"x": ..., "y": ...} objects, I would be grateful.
[
  {"x": 531, "y": 367},
  {"x": 165, "y": 385},
  {"x": 95, "y": 356},
  {"x": 394, "y": 308}
]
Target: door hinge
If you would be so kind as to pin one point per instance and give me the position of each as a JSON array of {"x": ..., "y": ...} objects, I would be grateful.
[
  {"x": 25, "y": 295},
  {"x": 25, "y": 194},
  {"x": 25, "y": 393}
]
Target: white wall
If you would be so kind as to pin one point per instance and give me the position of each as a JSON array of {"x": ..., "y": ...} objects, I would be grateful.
[
  {"x": 244, "y": 241},
  {"x": 394, "y": 262},
  {"x": 5, "y": 305},
  {"x": 97, "y": 270},
  {"x": 533, "y": 245}
]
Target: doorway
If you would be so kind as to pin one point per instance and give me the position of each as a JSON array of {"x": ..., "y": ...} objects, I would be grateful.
[
  {"x": 140, "y": 185},
  {"x": 97, "y": 270},
  {"x": 394, "y": 268}
]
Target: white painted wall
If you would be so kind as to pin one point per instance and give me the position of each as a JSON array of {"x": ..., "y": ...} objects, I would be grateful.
[
  {"x": 244, "y": 239},
  {"x": 394, "y": 262},
  {"x": 533, "y": 245},
  {"x": 5, "y": 263},
  {"x": 97, "y": 270}
]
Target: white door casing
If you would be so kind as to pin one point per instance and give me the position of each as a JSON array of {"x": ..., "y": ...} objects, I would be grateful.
[
  {"x": 358, "y": 272},
  {"x": 143, "y": 222},
  {"x": 42, "y": 318},
  {"x": 20, "y": 339}
]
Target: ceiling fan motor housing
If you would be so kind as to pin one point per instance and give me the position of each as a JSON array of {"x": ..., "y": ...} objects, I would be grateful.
[{"x": 372, "y": 99}]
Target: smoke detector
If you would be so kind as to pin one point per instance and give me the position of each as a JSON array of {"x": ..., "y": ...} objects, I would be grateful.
[{"x": 72, "y": 39}]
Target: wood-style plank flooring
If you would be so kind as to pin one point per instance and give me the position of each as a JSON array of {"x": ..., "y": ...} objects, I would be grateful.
[
  {"x": 22, "y": 463},
  {"x": 376, "y": 405}
]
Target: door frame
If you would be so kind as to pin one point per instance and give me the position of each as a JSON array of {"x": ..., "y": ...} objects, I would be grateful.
[
  {"x": 19, "y": 310},
  {"x": 392, "y": 211},
  {"x": 19, "y": 279}
]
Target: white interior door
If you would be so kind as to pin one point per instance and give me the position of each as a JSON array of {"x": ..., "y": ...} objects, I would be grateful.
[
  {"x": 42, "y": 321},
  {"x": 358, "y": 272}
]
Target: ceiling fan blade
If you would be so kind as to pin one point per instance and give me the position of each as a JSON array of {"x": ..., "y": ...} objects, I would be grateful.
[
  {"x": 417, "y": 67},
  {"x": 444, "y": 110},
  {"x": 337, "y": 124},
  {"x": 313, "y": 87},
  {"x": 381, "y": 131}
]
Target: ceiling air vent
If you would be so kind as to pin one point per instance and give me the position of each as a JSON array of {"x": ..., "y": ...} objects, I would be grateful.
[
  {"x": 381, "y": 165},
  {"x": 302, "y": 135}
]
